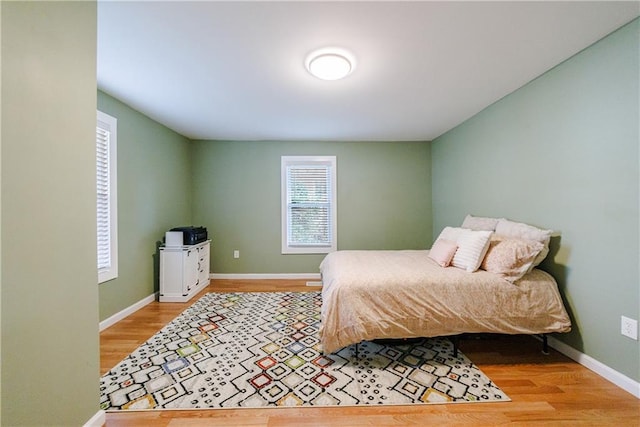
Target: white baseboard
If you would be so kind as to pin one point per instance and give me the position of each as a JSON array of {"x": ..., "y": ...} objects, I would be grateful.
[
  {"x": 127, "y": 311},
  {"x": 98, "y": 420},
  {"x": 599, "y": 368},
  {"x": 284, "y": 276}
]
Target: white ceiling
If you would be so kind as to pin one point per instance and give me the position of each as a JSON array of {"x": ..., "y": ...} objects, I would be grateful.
[{"x": 235, "y": 70}]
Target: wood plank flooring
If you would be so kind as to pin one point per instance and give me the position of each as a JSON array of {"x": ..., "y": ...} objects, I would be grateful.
[{"x": 545, "y": 390}]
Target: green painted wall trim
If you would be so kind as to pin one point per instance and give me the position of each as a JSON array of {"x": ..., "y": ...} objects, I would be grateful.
[
  {"x": 563, "y": 153},
  {"x": 154, "y": 195},
  {"x": 384, "y": 199},
  {"x": 50, "y": 346}
]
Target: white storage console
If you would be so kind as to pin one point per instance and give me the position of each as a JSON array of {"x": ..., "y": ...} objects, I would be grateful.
[{"x": 184, "y": 271}]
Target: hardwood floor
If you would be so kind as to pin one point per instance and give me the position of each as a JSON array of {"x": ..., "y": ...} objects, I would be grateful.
[{"x": 545, "y": 390}]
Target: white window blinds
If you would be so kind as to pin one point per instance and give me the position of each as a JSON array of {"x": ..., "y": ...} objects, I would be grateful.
[
  {"x": 309, "y": 204},
  {"x": 106, "y": 208}
]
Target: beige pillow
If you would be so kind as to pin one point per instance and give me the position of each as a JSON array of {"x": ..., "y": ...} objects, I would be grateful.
[
  {"x": 511, "y": 258},
  {"x": 442, "y": 252},
  {"x": 519, "y": 230}
]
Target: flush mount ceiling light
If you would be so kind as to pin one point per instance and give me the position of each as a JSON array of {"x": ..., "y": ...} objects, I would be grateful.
[{"x": 330, "y": 63}]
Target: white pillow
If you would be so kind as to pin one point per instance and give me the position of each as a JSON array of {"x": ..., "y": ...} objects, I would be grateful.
[
  {"x": 451, "y": 233},
  {"x": 480, "y": 223},
  {"x": 523, "y": 231},
  {"x": 472, "y": 247}
]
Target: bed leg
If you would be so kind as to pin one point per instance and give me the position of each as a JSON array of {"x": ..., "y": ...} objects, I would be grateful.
[
  {"x": 545, "y": 345},
  {"x": 455, "y": 340}
]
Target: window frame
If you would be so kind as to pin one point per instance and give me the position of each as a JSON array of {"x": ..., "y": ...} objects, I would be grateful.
[
  {"x": 330, "y": 161},
  {"x": 108, "y": 124}
]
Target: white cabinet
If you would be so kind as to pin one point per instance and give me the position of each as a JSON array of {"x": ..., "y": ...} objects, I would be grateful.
[{"x": 184, "y": 271}]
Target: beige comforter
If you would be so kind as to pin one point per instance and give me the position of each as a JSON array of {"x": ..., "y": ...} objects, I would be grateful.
[{"x": 402, "y": 294}]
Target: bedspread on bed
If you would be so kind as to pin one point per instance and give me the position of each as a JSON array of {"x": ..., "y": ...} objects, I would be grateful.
[{"x": 402, "y": 294}]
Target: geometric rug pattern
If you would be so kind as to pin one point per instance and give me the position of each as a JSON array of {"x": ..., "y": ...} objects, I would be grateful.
[{"x": 262, "y": 349}]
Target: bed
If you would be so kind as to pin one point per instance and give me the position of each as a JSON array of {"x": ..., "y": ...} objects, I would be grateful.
[{"x": 369, "y": 295}]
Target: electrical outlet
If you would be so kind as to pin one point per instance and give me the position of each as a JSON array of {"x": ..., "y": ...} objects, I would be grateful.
[
  {"x": 629, "y": 327},
  {"x": 236, "y": 254}
]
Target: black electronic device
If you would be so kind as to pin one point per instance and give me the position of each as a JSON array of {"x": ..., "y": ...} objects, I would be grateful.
[{"x": 192, "y": 235}]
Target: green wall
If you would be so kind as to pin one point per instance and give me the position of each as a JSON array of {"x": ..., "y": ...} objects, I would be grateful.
[
  {"x": 49, "y": 310},
  {"x": 384, "y": 200},
  {"x": 563, "y": 153},
  {"x": 154, "y": 195}
]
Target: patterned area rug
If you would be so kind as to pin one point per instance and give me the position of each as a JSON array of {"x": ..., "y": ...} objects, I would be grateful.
[{"x": 262, "y": 349}]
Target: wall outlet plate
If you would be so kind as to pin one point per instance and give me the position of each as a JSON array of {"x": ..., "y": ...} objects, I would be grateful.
[
  {"x": 236, "y": 254},
  {"x": 629, "y": 327}
]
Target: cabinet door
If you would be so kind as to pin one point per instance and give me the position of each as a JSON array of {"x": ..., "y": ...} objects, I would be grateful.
[
  {"x": 171, "y": 273},
  {"x": 190, "y": 269}
]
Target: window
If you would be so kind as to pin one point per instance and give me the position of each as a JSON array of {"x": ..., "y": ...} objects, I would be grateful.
[
  {"x": 106, "y": 186},
  {"x": 308, "y": 204}
]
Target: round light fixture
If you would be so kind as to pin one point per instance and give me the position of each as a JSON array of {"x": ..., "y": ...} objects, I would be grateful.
[{"x": 330, "y": 63}]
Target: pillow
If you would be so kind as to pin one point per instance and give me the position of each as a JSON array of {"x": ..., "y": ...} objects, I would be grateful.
[
  {"x": 442, "y": 252},
  {"x": 511, "y": 258},
  {"x": 480, "y": 223},
  {"x": 523, "y": 231},
  {"x": 452, "y": 233},
  {"x": 472, "y": 246}
]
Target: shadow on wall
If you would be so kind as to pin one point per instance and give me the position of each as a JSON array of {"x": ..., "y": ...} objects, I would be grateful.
[
  {"x": 560, "y": 273},
  {"x": 156, "y": 267}
]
